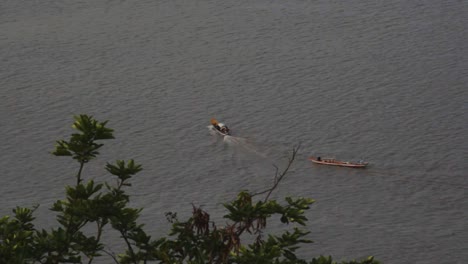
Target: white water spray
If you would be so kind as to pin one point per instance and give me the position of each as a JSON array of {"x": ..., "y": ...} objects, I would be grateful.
[{"x": 243, "y": 144}]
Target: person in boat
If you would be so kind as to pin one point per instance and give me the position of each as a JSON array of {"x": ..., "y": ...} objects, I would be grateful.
[
  {"x": 224, "y": 129},
  {"x": 319, "y": 159},
  {"x": 221, "y": 128}
]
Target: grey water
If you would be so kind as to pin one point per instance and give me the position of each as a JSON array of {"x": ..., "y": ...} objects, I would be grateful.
[{"x": 384, "y": 81}]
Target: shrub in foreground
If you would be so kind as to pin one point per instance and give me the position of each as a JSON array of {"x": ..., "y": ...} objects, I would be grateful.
[{"x": 93, "y": 206}]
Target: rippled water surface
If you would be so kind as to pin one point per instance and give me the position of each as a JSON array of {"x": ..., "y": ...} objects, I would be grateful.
[{"x": 381, "y": 80}]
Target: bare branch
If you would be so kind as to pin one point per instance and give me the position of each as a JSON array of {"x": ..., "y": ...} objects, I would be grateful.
[
  {"x": 279, "y": 176},
  {"x": 111, "y": 255}
]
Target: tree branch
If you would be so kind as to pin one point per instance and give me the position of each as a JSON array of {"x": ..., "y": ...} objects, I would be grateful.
[
  {"x": 111, "y": 255},
  {"x": 279, "y": 176},
  {"x": 78, "y": 176}
]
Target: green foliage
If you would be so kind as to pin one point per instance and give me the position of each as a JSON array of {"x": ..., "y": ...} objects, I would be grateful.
[
  {"x": 123, "y": 172},
  {"x": 16, "y": 236},
  {"x": 93, "y": 206},
  {"x": 82, "y": 146}
]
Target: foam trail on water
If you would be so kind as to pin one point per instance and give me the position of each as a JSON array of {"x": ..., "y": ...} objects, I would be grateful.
[
  {"x": 239, "y": 142},
  {"x": 244, "y": 144}
]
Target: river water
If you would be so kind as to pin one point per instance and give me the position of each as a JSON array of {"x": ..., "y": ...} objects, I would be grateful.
[{"x": 385, "y": 81}]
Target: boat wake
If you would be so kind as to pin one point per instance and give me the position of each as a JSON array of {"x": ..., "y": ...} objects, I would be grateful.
[
  {"x": 252, "y": 159},
  {"x": 243, "y": 144},
  {"x": 240, "y": 143}
]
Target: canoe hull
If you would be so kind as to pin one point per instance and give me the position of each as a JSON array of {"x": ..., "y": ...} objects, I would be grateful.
[{"x": 333, "y": 162}]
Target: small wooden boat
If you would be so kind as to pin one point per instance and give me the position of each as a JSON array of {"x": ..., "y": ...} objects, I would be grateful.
[
  {"x": 219, "y": 127},
  {"x": 334, "y": 162}
]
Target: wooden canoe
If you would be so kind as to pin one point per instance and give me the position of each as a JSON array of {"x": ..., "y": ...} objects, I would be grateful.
[{"x": 334, "y": 162}]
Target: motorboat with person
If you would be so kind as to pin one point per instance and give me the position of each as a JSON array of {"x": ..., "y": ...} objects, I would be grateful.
[{"x": 219, "y": 127}]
